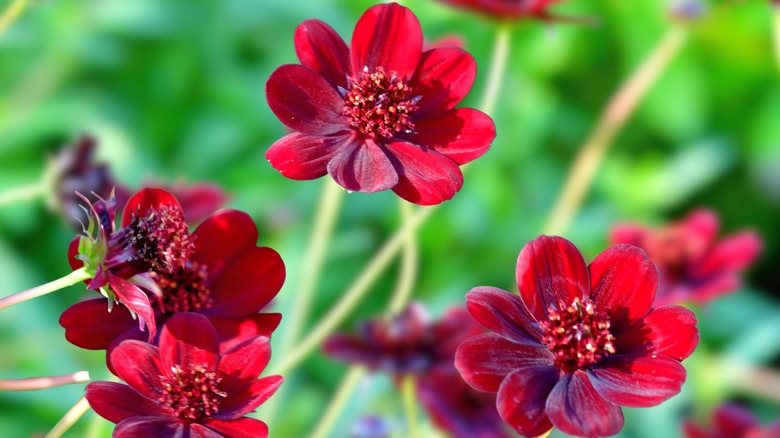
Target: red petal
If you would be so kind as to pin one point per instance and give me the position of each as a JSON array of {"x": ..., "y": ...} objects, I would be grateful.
[
  {"x": 388, "y": 36},
  {"x": 247, "y": 284},
  {"x": 188, "y": 340},
  {"x": 550, "y": 273},
  {"x": 363, "y": 168},
  {"x": 90, "y": 325},
  {"x": 304, "y": 101},
  {"x": 732, "y": 254},
  {"x": 302, "y": 157},
  {"x": 623, "y": 284},
  {"x": 455, "y": 326},
  {"x": 629, "y": 234},
  {"x": 236, "y": 406},
  {"x": 521, "y": 399},
  {"x": 116, "y": 402},
  {"x": 73, "y": 251},
  {"x": 425, "y": 177},
  {"x": 144, "y": 200},
  {"x": 485, "y": 360},
  {"x": 504, "y": 313},
  {"x": 233, "y": 331},
  {"x": 240, "y": 428},
  {"x": 321, "y": 49},
  {"x": 138, "y": 363},
  {"x": 576, "y": 408},
  {"x": 668, "y": 330},
  {"x": 700, "y": 230},
  {"x": 350, "y": 349},
  {"x": 463, "y": 134},
  {"x": 241, "y": 365},
  {"x": 152, "y": 427},
  {"x": 136, "y": 300},
  {"x": 735, "y": 421},
  {"x": 636, "y": 380},
  {"x": 199, "y": 200},
  {"x": 443, "y": 78},
  {"x": 221, "y": 237}
]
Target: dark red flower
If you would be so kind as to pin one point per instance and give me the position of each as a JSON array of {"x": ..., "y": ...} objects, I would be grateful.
[
  {"x": 578, "y": 343},
  {"x": 186, "y": 387},
  {"x": 227, "y": 278},
  {"x": 380, "y": 115},
  {"x": 692, "y": 264},
  {"x": 732, "y": 421},
  {"x": 507, "y": 9}
]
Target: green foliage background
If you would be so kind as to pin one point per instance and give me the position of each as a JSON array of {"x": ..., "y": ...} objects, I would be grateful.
[{"x": 174, "y": 91}]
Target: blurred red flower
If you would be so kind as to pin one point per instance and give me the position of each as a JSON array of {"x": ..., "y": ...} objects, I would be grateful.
[
  {"x": 578, "y": 343},
  {"x": 380, "y": 115},
  {"x": 507, "y": 9},
  {"x": 186, "y": 387},
  {"x": 692, "y": 264},
  {"x": 732, "y": 421}
]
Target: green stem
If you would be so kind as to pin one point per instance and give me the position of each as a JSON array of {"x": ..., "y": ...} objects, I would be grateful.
[
  {"x": 617, "y": 112},
  {"x": 408, "y": 270},
  {"x": 53, "y": 286},
  {"x": 69, "y": 419},
  {"x": 324, "y": 224},
  {"x": 498, "y": 61},
  {"x": 11, "y": 13},
  {"x": 410, "y": 405},
  {"x": 340, "y": 399},
  {"x": 31, "y": 191},
  {"x": 37, "y": 383}
]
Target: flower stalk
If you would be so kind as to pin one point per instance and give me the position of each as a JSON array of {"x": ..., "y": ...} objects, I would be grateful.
[
  {"x": 339, "y": 401},
  {"x": 30, "y": 191},
  {"x": 410, "y": 257},
  {"x": 69, "y": 419},
  {"x": 498, "y": 61},
  {"x": 69, "y": 280},
  {"x": 410, "y": 405},
  {"x": 11, "y": 13},
  {"x": 37, "y": 383}
]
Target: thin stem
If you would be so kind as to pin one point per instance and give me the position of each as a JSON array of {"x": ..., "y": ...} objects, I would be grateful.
[
  {"x": 37, "y": 383},
  {"x": 354, "y": 294},
  {"x": 23, "y": 193},
  {"x": 340, "y": 399},
  {"x": 53, "y": 286},
  {"x": 410, "y": 406},
  {"x": 497, "y": 66},
  {"x": 69, "y": 419},
  {"x": 618, "y": 111},
  {"x": 11, "y": 13},
  {"x": 410, "y": 257},
  {"x": 324, "y": 223}
]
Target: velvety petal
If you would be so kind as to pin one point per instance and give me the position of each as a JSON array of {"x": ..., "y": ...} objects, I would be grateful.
[
  {"x": 629, "y": 234},
  {"x": 248, "y": 284},
  {"x": 239, "y": 428},
  {"x": 238, "y": 405},
  {"x": 136, "y": 300},
  {"x": 233, "y": 331},
  {"x": 363, "y": 167},
  {"x": 241, "y": 365},
  {"x": 321, "y": 49},
  {"x": 504, "y": 313},
  {"x": 160, "y": 427},
  {"x": 116, "y": 402},
  {"x": 455, "y": 326},
  {"x": 304, "y": 101},
  {"x": 462, "y": 134},
  {"x": 221, "y": 237},
  {"x": 703, "y": 292},
  {"x": 301, "y": 157},
  {"x": 73, "y": 251},
  {"x": 389, "y": 36},
  {"x": 668, "y": 330},
  {"x": 444, "y": 77},
  {"x": 425, "y": 177},
  {"x": 522, "y": 396},
  {"x": 198, "y": 200},
  {"x": 576, "y": 408},
  {"x": 700, "y": 228},
  {"x": 485, "y": 360},
  {"x": 734, "y": 421},
  {"x": 90, "y": 325},
  {"x": 550, "y": 273},
  {"x": 637, "y": 380},
  {"x": 350, "y": 349},
  {"x": 732, "y": 254},
  {"x": 138, "y": 363},
  {"x": 144, "y": 200},
  {"x": 188, "y": 340},
  {"x": 623, "y": 283}
]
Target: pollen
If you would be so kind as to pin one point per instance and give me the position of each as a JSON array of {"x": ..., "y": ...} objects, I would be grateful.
[
  {"x": 193, "y": 393},
  {"x": 185, "y": 289},
  {"x": 379, "y": 104}
]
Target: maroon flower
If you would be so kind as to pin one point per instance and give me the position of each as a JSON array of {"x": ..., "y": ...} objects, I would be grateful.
[
  {"x": 732, "y": 421},
  {"x": 692, "y": 265},
  {"x": 380, "y": 115},
  {"x": 507, "y": 9},
  {"x": 186, "y": 387},
  {"x": 227, "y": 278},
  {"x": 578, "y": 343}
]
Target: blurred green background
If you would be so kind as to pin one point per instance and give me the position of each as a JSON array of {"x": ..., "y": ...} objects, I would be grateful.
[{"x": 174, "y": 91}]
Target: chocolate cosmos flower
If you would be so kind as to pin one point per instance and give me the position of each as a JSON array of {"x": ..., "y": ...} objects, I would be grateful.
[
  {"x": 186, "y": 388},
  {"x": 381, "y": 114},
  {"x": 732, "y": 421},
  {"x": 578, "y": 343},
  {"x": 506, "y": 9},
  {"x": 692, "y": 265}
]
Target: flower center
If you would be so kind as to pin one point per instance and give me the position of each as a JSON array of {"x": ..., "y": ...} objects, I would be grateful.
[
  {"x": 191, "y": 394},
  {"x": 186, "y": 289},
  {"x": 577, "y": 335},
  {"x": 379, "y": 104}
]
